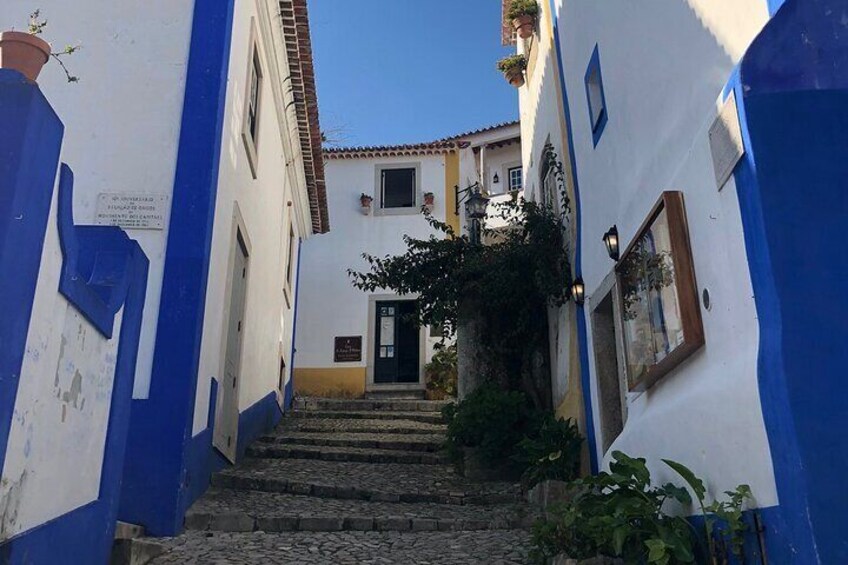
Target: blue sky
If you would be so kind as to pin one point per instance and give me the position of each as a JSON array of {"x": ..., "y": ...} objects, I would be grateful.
[{"x": 403, "y": 71}]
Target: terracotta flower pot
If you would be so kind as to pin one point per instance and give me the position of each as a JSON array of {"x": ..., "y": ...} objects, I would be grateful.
[
  {"x": 525, "y": 26},
  {"x": 23, "y": 52},
  {"x": 515, "y": 77}
]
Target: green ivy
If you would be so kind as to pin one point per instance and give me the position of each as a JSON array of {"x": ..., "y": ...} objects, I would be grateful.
[{"x": 441, "y": 373}]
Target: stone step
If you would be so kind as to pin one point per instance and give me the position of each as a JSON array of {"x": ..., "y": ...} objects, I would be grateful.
[
  {"x": 372, "y": 426},
  {"x": 500, "y": 547},
  {"x": 402, "y": 442},
  {"x": 246, "y": 511},
  {"x": 427, "y": 417},
  {"x": 366, "y": 405},
  {"x": 387, "y": 482},
  {"x": 395, "y": 395},
  {"x": 354, "y": 454}
]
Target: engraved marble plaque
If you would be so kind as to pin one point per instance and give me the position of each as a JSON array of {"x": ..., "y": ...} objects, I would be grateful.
[
  {"x": 138, "y": 211},
  {"x": 726, "y": 141}
]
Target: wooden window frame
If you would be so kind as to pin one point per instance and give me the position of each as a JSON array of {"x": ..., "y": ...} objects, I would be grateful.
[
  {"x": 685, "y": 284},
  {"x": 251, "y": 142}
]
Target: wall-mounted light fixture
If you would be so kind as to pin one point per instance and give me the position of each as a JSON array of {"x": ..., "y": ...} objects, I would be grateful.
[
  {"x": 496, "y": 179},
  {"x": 611, "y": 241},
  {"x": 475, "y": 208},
  {"x": 578, "y": 291}
]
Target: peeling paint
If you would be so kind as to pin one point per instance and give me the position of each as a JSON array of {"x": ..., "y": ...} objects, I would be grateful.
[{"x": 10, "y": 502}]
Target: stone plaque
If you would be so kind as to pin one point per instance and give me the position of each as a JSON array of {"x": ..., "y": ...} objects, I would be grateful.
[
  {"x": 726, "y": 141},
  {"x": 137, "y": 211},
  {"x": 347, "y": 349}
]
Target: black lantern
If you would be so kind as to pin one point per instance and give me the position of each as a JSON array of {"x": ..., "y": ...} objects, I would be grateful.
[
  {"x": 475, "y": 206},
  {"x": 578, "y": 291},
  {"x": 611, "y": 241},
  {"x": 496, "y": 179}
]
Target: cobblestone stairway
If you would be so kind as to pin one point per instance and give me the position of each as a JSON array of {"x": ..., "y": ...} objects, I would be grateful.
[{"x": 353, "y": 481}]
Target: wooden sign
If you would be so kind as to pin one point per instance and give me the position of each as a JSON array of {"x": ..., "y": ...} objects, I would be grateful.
[{"x": 347, "y": 349}]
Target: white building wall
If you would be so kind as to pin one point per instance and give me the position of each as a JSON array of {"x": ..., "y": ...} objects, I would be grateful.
[
  {"x": 62, "y": 406},
  {"x": 132, "y": 72},
  {"x": 329, "y": 305},
  {"x": 664, "y": 65},
  {"x": 266, "y": 207}
]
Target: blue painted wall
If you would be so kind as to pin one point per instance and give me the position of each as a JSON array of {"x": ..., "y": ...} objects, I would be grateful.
[
  {"x": 111, "y": 271},
  {"x": 791, "y": 186},
  {"x": 156, "y": 480}
]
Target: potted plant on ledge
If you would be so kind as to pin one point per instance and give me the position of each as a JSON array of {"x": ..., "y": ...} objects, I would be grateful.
[
  {"x": 27, "y": 53},
  {"x": 523, "y": 14},
  {"x": 365, "y": 203},
  {"x": 429, "y": 201},
  {"x": 513, "y": 69}
]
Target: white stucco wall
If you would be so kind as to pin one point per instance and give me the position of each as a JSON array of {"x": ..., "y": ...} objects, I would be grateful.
[
  {"x": 132, "y": 72},
  {"x": 54, "y": 454},
  {"x": 664, "y": 65},
  {"x": 268, "y": 205},
  {"x": 329, "y": 305}
]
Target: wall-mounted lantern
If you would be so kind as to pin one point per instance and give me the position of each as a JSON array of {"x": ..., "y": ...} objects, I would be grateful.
[
  {"x": 475, "y": 208},
  {"x": 496, "y": 179},
  {"x": 578, "y": 291},
  {"x": 611, "y": 241}
]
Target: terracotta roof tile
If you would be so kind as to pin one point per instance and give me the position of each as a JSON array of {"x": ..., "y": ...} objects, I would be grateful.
[{"x": 294, "y": 18}]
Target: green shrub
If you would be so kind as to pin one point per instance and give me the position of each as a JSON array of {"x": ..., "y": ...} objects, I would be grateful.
[
  {"x": 491, "y": 419},
  {"x": 520, "y": 8},
  {"x": 618, "y": 514},
  {"x": 441, "y": 373},
  {"x": 551, "y": 452}
]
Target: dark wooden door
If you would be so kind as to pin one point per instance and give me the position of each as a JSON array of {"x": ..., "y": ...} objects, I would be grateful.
[{"x": 397, "y": 343}]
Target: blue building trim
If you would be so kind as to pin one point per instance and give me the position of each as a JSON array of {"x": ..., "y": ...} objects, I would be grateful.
[
  {"x": 288, "y": 394},
  {"x": 29, "y": 153},
  {"x": 155, "y": 493},
  {"x": 85, "y": 535},
  {"x": 793, "y": 112},
  {"x": 597, "y": 126},
  {"x": 257, "y": 420},
  {"x": 582, "y": 340}
]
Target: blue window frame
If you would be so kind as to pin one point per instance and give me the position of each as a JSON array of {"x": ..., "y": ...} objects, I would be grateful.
[{"x": 595, "y": 96}]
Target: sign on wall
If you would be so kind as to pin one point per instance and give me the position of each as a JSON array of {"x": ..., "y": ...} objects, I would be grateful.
[
  {"x": 140, "y": 211},
  {"x": 347, "y": 349},
  {"x": 726, "y": 141}
]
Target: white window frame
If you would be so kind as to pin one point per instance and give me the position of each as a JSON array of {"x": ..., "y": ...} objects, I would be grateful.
[
  {"x": 509, "y": 172},
  {"x": 378, "y": 190},
  {"x": 254, "y": 62}
]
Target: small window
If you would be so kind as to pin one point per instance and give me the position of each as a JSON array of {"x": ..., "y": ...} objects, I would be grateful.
[
  {"x": 398, "y": 188},
  {"x": 515, "y": 179},
  {"x": 253, "y": 99},
  {"x": 595, "y": 97},
  {"x": 290, "y": 257}
]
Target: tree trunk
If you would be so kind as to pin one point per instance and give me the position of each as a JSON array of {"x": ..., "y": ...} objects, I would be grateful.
[{"x": 472, "y": 364}]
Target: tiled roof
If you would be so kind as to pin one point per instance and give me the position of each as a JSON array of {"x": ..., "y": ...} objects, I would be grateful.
[
  {"x": 437, "y": 147},
  {"x": 294, "y": 19}
]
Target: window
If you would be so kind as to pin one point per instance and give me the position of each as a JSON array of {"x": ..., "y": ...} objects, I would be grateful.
[
  {"x": 605, "y": 334},
  {"x": 398, "y": 187},
  {"x": 252, "y": 105},
  {"x": 253, "y": 97},
  {"x": 660, "y": 311},
  {"x": 515, "y": 179},
  {"x": 290, "y": 257},
  {"x": 595, "y": 97}
]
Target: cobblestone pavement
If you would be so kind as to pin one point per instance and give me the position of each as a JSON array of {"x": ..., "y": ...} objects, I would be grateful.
[
  {"x": 343, "y": 482},
  {"x": 343, "y": 548}
]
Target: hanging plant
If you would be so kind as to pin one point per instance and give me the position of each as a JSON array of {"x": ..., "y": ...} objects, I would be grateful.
[
  {"x": 27, "y": 53},
  {"x": 523, "y": 14},
  {"x": 513, "y": 69}
]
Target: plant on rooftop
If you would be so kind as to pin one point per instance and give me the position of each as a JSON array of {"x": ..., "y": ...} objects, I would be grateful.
[
  {"x": 513, "y": 69},
  {"x": 523, "y": 14},
  {"x": 27, "y": 53}
]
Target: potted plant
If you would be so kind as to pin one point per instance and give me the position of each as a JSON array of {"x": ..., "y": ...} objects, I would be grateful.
[
  {"x": 523, "y": 15},
  {"x": 513, "y": 69},
  {"x": 27, "y": 53},
  {"x": 365, "y": 203},
  {"x": 429, "y": 200}
]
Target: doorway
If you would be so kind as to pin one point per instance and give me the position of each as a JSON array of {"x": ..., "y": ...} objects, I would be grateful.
[
  {"x": 397, "y": 343},
  {"x": 607, "y": 368},
  {"x": 226, "y": 419}
]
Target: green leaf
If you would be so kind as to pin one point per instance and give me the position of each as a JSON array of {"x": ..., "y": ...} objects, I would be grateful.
[
  {"x": 656, "y": 551},
  {"x": 619, "y": 536},
  {"x": 679, "y": 494},
  {"x": 690, "y": 478}
]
